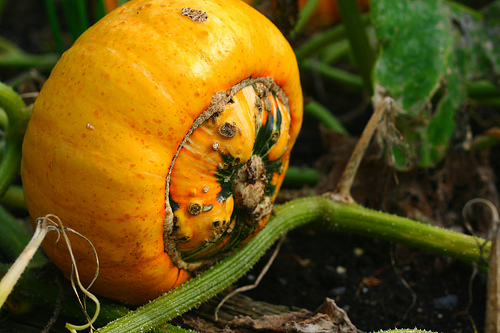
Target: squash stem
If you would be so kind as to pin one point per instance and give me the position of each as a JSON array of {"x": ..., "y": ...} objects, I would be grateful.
[
  {"x": 336, "y": 215},
  {"x": 14, "y": 197},
  {"x": 17, "y": 115},
  {"x": 11, "y": 103},
  {"x": 9, "y": 166}
]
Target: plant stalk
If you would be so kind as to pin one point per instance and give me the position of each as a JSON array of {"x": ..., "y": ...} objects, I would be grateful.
[
  {"x": 336, "y": 215},
  {"x": 18, "y": 116},
  {"x": 492, "y": 322},
  {"x": 10, "y": 279},
  {"x": 344, "y": 185},
  {"x": 14, "y": 198}
]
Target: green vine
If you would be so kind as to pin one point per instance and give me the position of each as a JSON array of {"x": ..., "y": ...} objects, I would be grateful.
[
  {"x": 335, "y": 215},
  {"x": 17, "y": 118}
]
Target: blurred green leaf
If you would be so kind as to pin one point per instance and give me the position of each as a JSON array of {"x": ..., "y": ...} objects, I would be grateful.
[
  {"x": 430, "y": 51},
  {"x": 415, "y": 40}
]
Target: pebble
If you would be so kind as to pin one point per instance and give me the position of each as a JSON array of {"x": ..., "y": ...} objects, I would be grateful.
[{"x": 447, "y": 302}]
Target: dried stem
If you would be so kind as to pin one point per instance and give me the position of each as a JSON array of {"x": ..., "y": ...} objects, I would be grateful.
[
  {"x": 344, "y": 185},
  {"x": 492, "y": 324},
  {"x": 16, "y": 270},
  {"x": 43, "y": 226}
]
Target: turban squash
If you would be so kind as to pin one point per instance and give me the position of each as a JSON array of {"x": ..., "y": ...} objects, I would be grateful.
[{"x": 162, "y": 135}]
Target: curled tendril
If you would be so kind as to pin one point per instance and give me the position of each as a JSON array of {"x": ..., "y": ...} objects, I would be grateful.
[
  {"x": 495, "y": 220},
  {"x": 45, "y": 224},
  {"x": 53, "y": 222}
]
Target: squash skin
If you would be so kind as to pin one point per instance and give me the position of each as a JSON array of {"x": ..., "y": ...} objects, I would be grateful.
[{"x": 110, "y": 118}]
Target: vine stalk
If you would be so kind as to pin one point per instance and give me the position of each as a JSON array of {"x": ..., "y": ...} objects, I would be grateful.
[
  {"x": 335, "y": 215},
  {"x": 18, "y": 116}
]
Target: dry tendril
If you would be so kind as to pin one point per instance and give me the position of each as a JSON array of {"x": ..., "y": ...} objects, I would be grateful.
[
  {"x": 45, "y": 224},
  {"x": 492, "y": 323}
]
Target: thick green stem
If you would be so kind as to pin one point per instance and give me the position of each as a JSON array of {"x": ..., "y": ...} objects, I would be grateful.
[
  {"x": 362, "y": 221},
  {"x": 9, "y": 166},
  {"x": 11, "y": 103},
  {"x": 14, "y": 198},
  {"x": 17, "y": 115},
  {"x": 3, "y": 119},
  {"x": 339, "y": 216},
  {"x": 362, "y": 50}
]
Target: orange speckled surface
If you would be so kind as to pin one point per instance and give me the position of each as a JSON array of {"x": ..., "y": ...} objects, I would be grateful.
[{"x": 111, "y": 116}]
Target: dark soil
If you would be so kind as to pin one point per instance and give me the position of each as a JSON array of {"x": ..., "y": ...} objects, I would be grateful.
[{"x": 379, "y": 284}]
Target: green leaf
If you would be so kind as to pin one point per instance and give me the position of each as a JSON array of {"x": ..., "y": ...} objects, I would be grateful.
[
  {"x": 429, "y": 51},
  {"x": 415, "y": 40}
]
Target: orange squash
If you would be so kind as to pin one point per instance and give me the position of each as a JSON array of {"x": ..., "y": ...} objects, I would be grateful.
[{"x": 163, "y": 136}]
